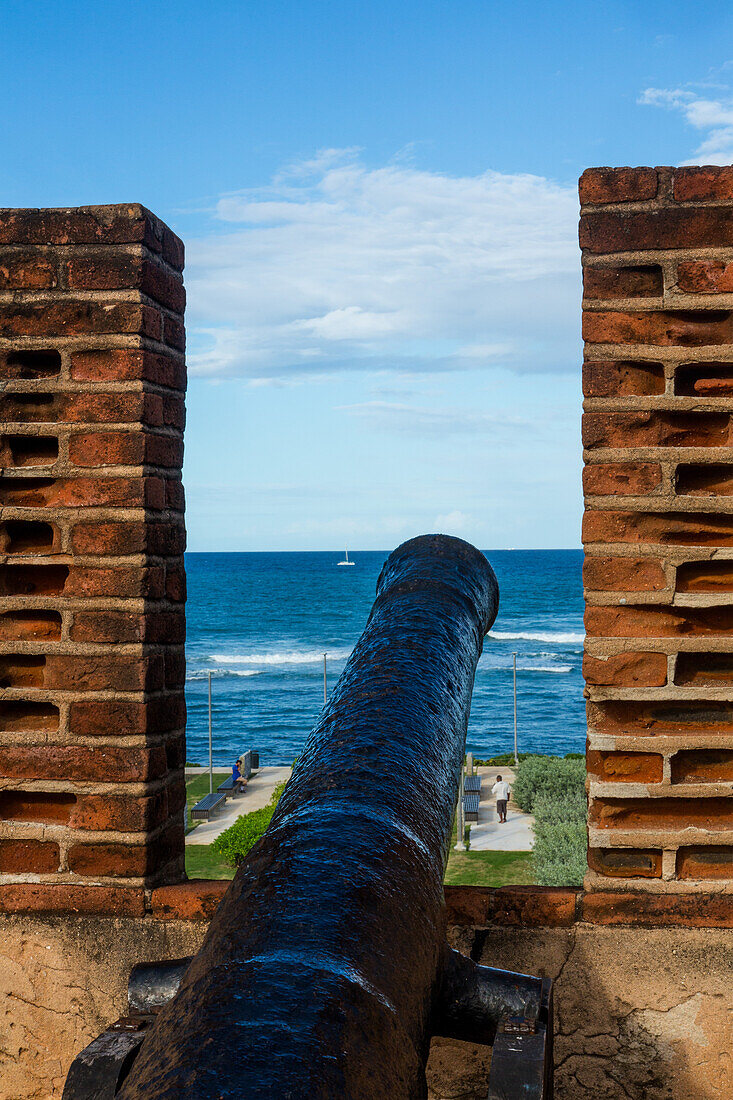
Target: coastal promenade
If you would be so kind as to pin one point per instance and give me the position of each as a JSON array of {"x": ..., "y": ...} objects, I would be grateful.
[
  {"x": 516, "y": 834},
  {"x": 257, "y": 795}
]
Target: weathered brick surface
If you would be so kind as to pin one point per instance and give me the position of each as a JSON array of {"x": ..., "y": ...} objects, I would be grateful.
[
  {"x": 92, "y": 380},
  {"x": 658, "y": 531}
]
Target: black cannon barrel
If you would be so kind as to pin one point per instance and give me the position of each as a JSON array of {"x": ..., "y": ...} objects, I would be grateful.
[{"x": 321, "y": 968}]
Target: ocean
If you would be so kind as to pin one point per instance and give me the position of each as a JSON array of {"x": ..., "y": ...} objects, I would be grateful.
[{"x": 262, "y": 622}]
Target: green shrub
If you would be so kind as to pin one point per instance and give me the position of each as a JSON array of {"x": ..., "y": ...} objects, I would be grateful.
[
  {"x": 553, "y": 790},
  {"x": 239, "y": 839},
  {"x": 550, "y": 775},
  {"x": 559, "y": 854}
]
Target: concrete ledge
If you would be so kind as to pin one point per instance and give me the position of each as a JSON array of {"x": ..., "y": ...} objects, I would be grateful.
[
  {"x": 660, "y": 910},
  {"x": 195, "y": 900},
  {"x": 113, "y": 901},
  {"x": 512, "y": 906}
]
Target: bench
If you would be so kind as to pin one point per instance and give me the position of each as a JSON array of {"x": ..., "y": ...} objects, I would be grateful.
[
  {"x": 472, "y": 784},
  {"x": 203, "y": 809},
  {"x": 229, "y": 786},
  {"x": 470, "y": 807}
]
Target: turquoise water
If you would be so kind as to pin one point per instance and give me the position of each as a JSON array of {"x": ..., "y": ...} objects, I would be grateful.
[{"x": 261, "y": 623}]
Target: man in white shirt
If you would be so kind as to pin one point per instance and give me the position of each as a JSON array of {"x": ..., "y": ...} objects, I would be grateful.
[{"x": 501, "y": 790}]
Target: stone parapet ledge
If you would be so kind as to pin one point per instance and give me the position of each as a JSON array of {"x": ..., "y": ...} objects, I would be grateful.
[{"x": 466, "y": 906}]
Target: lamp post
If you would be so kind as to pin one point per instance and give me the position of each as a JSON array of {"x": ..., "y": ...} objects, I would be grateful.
[{"x": 516, "y": 757}]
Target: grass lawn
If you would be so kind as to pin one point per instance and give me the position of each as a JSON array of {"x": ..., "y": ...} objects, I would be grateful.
[
  {"x": 486, "y": 868},
  {"x": 201, "y": 862},
  {"x": 196, "y": 788}
]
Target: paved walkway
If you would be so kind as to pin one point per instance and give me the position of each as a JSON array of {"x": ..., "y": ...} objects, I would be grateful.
[
  {"x": 514, "y": 836},
  {"x": 257, "y": 794}
]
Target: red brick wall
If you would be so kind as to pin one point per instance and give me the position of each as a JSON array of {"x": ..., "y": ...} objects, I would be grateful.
[
  {"x": 92, "y": 623},
  {"x": 658, "y": 530}
]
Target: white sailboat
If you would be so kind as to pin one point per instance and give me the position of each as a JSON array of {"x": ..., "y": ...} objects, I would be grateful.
[{"x": 346, "y": 559}]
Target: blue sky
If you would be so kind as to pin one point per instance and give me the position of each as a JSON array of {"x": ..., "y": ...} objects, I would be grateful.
[{"x": 379, "y": 205}]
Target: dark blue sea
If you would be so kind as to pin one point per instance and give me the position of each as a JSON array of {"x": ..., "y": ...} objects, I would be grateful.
[{"x": 262, "y": 622}]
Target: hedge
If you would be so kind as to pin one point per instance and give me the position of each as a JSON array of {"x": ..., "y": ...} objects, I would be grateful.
[
  {"x": 553, "y": 790},
  {"x": 236, "y": 841}
]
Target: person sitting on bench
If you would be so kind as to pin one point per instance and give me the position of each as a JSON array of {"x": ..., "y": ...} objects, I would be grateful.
[{"x": 239, "y": 780}]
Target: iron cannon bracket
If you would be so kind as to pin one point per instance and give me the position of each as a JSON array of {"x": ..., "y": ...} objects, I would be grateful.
[{"x": 511, "y": 1012}]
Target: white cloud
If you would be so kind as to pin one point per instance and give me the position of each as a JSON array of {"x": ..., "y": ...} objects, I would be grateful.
[
  {"x": 711, "y": 115},
  {"x": 336, "y": 266},
  {"x": 414, "y": 418},
  {"x": 454, "y": 523}
]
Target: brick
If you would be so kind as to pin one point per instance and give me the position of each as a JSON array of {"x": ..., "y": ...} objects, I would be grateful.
[
  {"x": 103, "y": 764},
  {"x": 76, "y": 317},
  {"x": 167, "y": 539},
  {"x": 125, "y": 860},
  {"x": 671, "y": 528},
  {"x": 105, "y": 270},
  {"x": 705, "y": 576},
  {"x": 688, "y": 718},
  {"x": 705, "y": 277},
  {"x": 129, "y": 582},
  {"x": 702, "y": 766},
  {"x": 175, "y": 667},
  {"x": 124, "y": 718},
  {"x": 704, "y": 480},
  {"x": 116, "y": 224},
  {"x": 104, "y": 539},
  {"x": 712, "y": 669},
  {"x": 175, "y": 583},
  {"x": 662, "y": 328},
  {"x": 82, "y": 492},
  {"x": 174, "y": 412},
  {"x": 174, "y": 334},
  {"x": 668, "y": 227},
  {"x": 661, "y": 813},
  {"x": 28, "y": 537},
  {"x": 621, "y": 478},
  {"x": 623, "y": 574},
  {"x": 611, "y": 185},
  {"x": 658, "y": 622},
  {"x": 29, "y": 625},
  {"x": 27, "y": 270},
  {"x": 662, "y": 910},
  {"x": 197, "y": 900},
  {"x": 120, "y": 627},
  {"x": 175, "y": 497},
  {"x": 707, "y": 183},
  {"x": 626, "y": 670},
  {"x": 125, "y": 407},
  {"x": 47, "y": 807},
  {"x": 33, "y": 580},
  {"x": 656, "y": 428},
  {"x": 704, "y": 379},
  {"x": 28, "y": 450},
  {"x": 714, "y": 863},
  {"x": 121, "y": 813},
  {"x": 30, "y": 364},
  {"x": 110, "y": 901},
  {"x": 626, "y": 862},
  {"x": 103, "y": 673},
  {"x": 100, "y": 449},
  {"x": 511, "y": 906},
  {"x": 127, "y": 365},
  {"x": 33, "y": 857},
  {"x": 626, "y": 767},
  {"x": 22, "y": 716},
  {"x": 622, "y": 378},
  {"x": 623, "y": 282}
]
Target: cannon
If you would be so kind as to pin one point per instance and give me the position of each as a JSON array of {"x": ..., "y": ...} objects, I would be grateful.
[{"x": 325, "y": 970}]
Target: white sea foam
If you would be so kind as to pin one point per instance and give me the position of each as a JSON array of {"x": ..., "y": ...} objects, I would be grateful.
[
  {"x": 223, "y": 672},
  {"x": 559, "y": 638},
  {"x": 545, "y": 668},
  {"x": 285, "y": 657}
]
